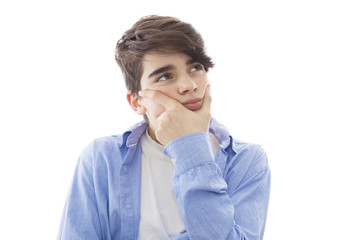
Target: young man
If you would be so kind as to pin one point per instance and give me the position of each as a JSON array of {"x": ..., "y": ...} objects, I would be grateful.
[{"x": 178, "y": 174}]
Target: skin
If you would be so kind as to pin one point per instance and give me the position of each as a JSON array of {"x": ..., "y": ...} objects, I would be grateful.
[{"x": 175, "y": 96}]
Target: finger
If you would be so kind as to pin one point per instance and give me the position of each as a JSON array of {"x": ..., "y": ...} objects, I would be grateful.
[{"x": 158, "y": 97}]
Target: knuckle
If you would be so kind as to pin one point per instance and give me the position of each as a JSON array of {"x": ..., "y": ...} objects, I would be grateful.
[{"x": 167, "y": 116}]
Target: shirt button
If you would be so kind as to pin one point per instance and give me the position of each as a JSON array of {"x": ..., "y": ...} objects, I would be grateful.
[{"x": 128, "y": 205}]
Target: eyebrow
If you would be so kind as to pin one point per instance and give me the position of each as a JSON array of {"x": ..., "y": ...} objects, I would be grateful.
[
  {"x": 168, "y": 68},
  {"x": 161, "y": 70}
]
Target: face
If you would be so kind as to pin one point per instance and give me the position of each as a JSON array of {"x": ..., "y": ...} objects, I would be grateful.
[{"x": 175, "y": 75}]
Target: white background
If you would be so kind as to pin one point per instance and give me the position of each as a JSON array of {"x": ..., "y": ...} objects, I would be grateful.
[{"x": 286, "y": 77}]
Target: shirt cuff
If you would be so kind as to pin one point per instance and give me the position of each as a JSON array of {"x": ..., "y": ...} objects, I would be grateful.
[{"x": 189, "y": 151}]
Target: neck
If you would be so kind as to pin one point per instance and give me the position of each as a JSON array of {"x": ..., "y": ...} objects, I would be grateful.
[{"x": 151, "y": 132}]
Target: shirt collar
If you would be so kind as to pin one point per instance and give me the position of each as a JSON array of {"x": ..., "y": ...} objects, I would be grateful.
[
  {"x": 221, "y": 133},
  {"x": 132, "y": 136}
]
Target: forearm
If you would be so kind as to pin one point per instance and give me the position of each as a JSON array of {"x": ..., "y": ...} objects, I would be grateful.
[{"x": 207, "y": 210}]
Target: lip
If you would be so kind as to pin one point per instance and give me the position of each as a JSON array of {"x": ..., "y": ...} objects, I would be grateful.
[{"x": 193, "y": 104}]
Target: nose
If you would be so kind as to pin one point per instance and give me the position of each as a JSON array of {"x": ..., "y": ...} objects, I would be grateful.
[{"x": 186, "y": 85}]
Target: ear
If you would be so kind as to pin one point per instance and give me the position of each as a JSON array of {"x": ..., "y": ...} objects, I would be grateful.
[{"x": 133, "y": 100}]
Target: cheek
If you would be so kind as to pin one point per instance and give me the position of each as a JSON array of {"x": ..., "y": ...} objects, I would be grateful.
[
  {"x": 167, "y": 90},
  {"x": 202, "y": 83}
]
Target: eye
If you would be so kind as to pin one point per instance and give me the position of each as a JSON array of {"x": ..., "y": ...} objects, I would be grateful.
[
  {"x": 164, "y": 77},
  {"x": 197, "y": 67}
]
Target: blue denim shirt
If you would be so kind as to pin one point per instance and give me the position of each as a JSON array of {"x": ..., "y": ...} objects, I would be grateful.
[{"x": 225, "y": 197}]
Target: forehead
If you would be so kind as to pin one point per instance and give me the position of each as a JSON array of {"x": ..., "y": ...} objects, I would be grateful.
[{"x": 153, "y": 60}]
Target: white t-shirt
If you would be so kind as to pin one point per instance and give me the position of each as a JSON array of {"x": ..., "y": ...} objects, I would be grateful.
[{"x": 160, "y": 216}]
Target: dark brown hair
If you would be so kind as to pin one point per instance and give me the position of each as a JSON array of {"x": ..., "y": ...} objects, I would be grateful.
[{"x": 157, "y": 34}]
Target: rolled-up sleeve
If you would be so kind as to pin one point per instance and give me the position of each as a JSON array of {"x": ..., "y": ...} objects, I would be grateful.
[{"x": 212, "y": 207}]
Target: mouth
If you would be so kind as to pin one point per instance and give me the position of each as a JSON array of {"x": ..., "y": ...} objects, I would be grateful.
[{"x": 193, "y": 104}]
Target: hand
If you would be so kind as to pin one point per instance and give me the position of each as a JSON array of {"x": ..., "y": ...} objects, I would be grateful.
[{"x": 177, "y": 121}]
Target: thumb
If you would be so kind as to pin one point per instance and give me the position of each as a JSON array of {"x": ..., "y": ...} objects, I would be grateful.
[{"x": 206, "y": 107}]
